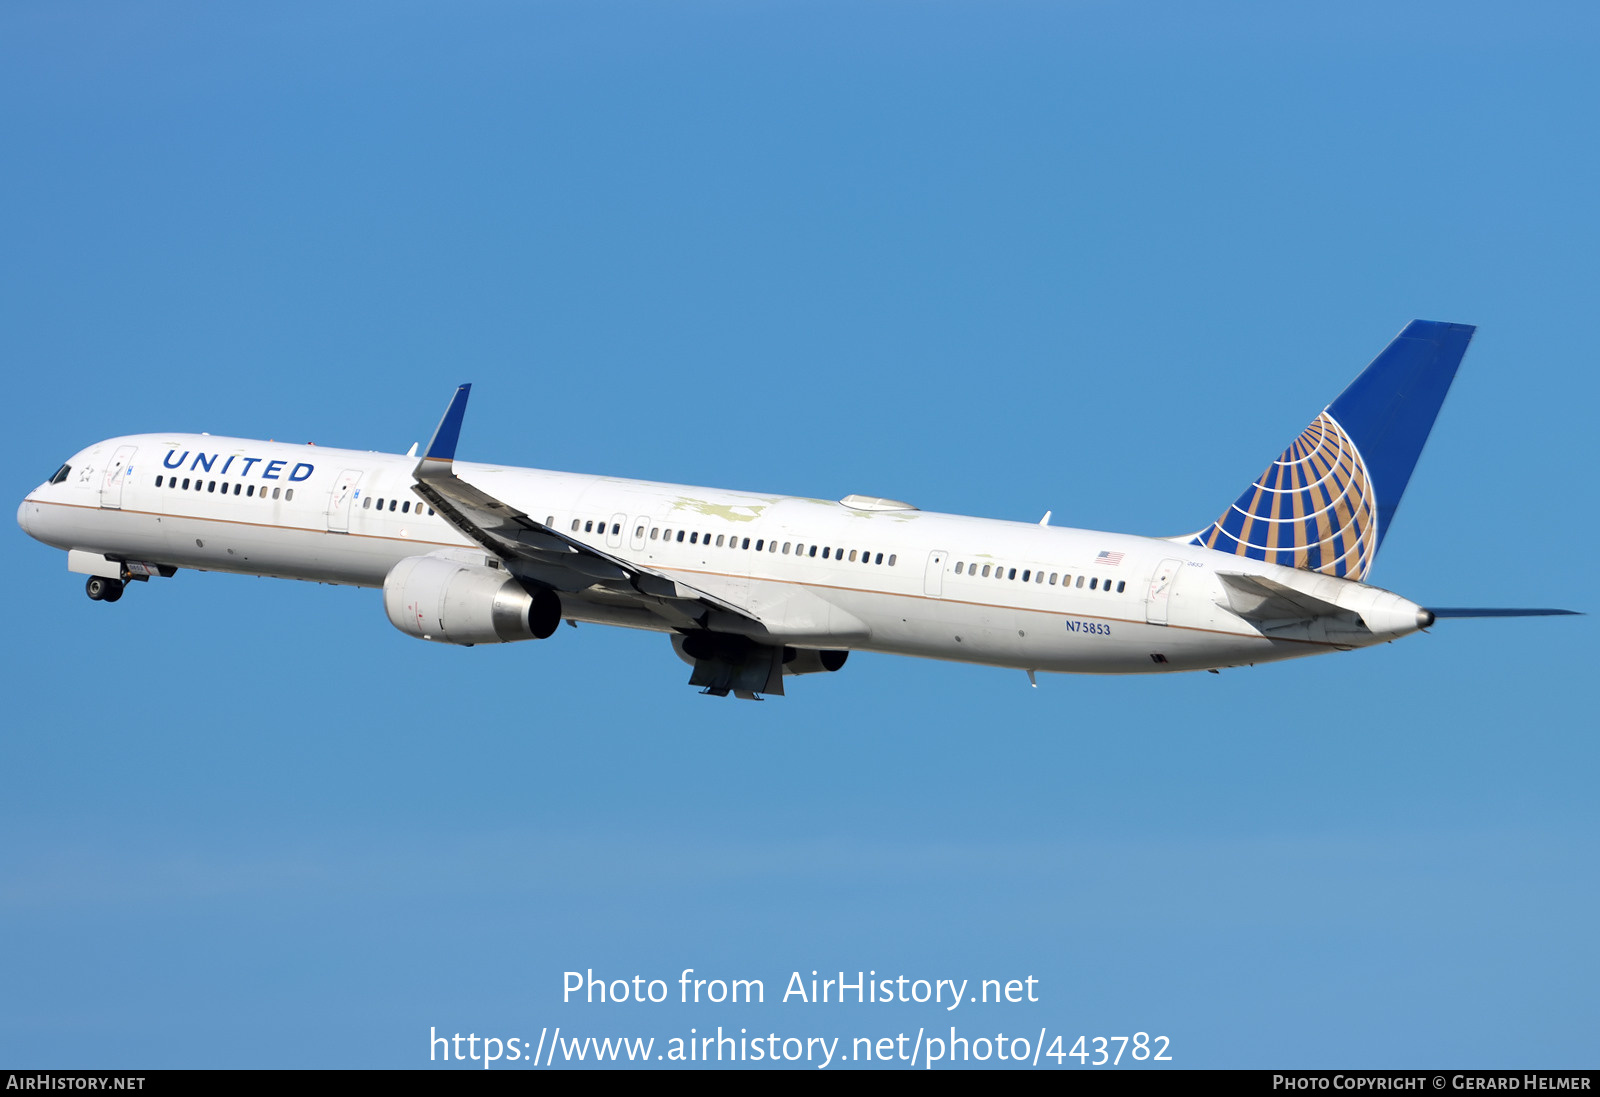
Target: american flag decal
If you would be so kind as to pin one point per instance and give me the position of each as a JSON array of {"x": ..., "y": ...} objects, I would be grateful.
[{"x": 1112, "y": 558}]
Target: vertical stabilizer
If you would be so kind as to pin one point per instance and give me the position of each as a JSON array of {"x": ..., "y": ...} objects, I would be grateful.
[{"x": 1326, "y": 503}]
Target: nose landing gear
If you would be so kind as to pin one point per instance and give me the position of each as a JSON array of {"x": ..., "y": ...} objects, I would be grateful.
[{"x": 102, "y": 589}]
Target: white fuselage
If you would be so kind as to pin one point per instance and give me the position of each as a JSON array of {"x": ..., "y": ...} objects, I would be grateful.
[{"x": 815, "y": 573}]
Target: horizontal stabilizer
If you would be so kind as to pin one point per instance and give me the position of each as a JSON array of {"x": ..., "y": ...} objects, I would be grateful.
[
  {"x": 1256, "y": 598},
  {"x": 1470, "y": 611}
]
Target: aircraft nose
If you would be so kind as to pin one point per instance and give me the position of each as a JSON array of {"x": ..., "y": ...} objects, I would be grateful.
[{"x": 25, "y": 515}]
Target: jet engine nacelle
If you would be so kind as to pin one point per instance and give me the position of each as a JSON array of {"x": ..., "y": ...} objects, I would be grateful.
[
  {"x": 445, "y": 600},
  {"x": 808, "y": 661}
]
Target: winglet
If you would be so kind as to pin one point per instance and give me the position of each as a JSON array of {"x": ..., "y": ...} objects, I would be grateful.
[{"x": 443, "y": 445}]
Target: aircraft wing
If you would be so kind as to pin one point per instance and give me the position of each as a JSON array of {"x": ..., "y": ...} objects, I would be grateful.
[{"x": 544, "y": 554}]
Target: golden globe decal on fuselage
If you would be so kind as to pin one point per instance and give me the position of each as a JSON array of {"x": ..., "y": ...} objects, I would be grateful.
[
  {"x": 271, "y": 469},
  {"x": 1313, "y": 509}
]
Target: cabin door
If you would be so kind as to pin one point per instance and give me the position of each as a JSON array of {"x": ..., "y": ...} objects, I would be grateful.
[
  {"x": 339, "y": 500},
  {"x": 116, "y": 475},
  {"x": 1161, "y": 583}
]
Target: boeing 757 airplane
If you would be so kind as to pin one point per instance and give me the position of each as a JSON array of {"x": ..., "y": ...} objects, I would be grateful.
[{"x": 752, "y": 588}]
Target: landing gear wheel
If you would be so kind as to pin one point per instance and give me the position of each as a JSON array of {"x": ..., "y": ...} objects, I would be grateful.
[{"x": 102, "y": 589}]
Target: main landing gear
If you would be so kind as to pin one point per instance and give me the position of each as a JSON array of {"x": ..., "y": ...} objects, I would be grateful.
[{"x": 102, "y": 589}]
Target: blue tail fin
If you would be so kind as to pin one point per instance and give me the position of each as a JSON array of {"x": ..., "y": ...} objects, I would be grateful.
[{"x": 1326, "y": 503}]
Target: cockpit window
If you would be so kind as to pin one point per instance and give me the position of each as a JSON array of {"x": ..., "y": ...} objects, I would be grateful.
[{"x": 61, "y": 474}]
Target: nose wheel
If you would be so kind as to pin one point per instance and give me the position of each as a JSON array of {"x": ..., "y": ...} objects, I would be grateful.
[{"x": 102, "y": 589}]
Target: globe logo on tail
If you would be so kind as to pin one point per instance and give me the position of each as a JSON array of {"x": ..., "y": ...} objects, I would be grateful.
[{"x": 1314, "y": 508}]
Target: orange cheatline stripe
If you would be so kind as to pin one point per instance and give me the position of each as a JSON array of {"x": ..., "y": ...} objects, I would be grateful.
[{"x": 727, "y": 575}]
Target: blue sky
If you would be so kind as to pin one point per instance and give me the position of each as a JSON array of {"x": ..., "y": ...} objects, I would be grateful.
[{"x": 997, "y": 259}]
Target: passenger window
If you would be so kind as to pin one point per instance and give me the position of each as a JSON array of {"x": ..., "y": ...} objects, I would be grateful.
[
  {"x": 879, "y": 560},
  {"x": 1120, "y": 584},
  {"x": 719, "y": 540},
  {"x": 958, "y": 568},
  {"x": 616, "y": 528},
  {"x": 1080, "y": 582},
  {"x": 824, "y": 552},
  {"x": 813, "y": 550},
  {"x": 405, "y": 508},
  {"x": 891, "y": 559},
  {"x": 366, "y": 504},
  {"x": 275, "y": 491},
  {"x": 392, "y": 504},
  {"x": 747, "y": 544},
  {"x": 576, "y": 525},
  {"x": 158, "y": 481},
  {"x": 680, "y": 537},
  {"x": 785, "y": 547},
  {"x": 1092, "y": 583},
  {"x": 588, "y": 527},
  {"x": 288, "y": 496},
  {"x": 1053, "y": 575},
  {"x": 1025, "y": 576},
  {"x": 655, "y": 533},
  {"x": 759, "y": 543},
  {"x": 212, "y": 487},
  {"x": 638, "y": 534},
  {"x": 694, "y": 538},
  {"x": 1038, "y": 577},
  {"x": 986, "y": 571}
]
